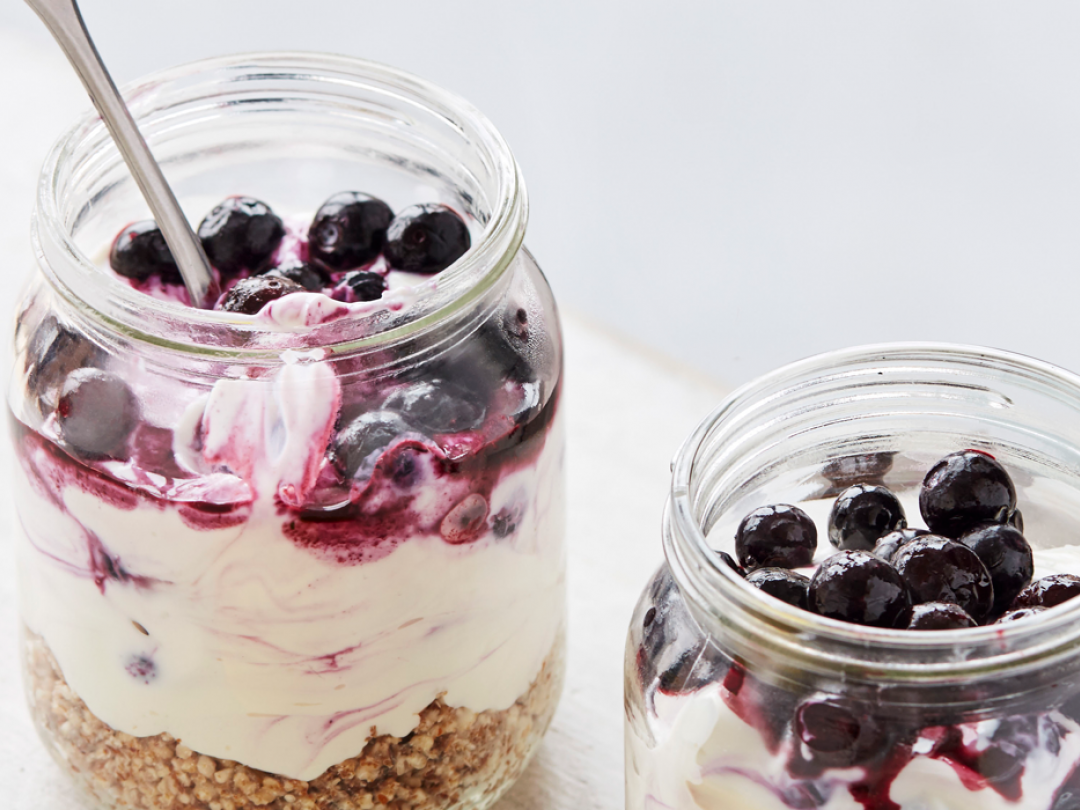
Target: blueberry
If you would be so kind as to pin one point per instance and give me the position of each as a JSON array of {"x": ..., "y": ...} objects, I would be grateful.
[
  {"x": 698, "y": 666},
  {"x": 426, "y": 239},
  {"x": 487, "y": 359},
  {"x": 349, "y": 230},
  {"x": 54, "y": 352},
  {"x": 856, "y": 586},
  {"x": 366, "y": 436},
  {"x": 867, "y": 468},
  {"x": 365, "y": 285},
  {"x": 249, "y": 295},
  {"x": 309, "y": 276},
  {"x": 937, "y": 569},
  {"x": 787, "y": 586},
  {"x": 1006, "y": 555},
  {"x": 96, "y": 413},
  {"x": 862, "y": 514},
  {"x": 729, "y": 561},
  {"x": 665, "y": 607},
  {"x": 783, "y": 536},
  {"x": 963, "y": 490},
  {"x": 939, "y": 616},
  {"x": 1048, "y": 592},
  {"x": 1001, "y": 763},
  {"x": 438, "y": 406},
  {"x": 240, "y": 234},
  {"x": 888, "y": 545},
  {"x": 506, "y": 521},
  {"x": 1020, "y": 613},
  {"x": 836, "y": 734},
  {"x": 139, "y": 252}
]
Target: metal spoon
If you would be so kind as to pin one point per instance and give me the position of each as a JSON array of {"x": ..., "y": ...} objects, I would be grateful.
[{"x": 66, "y": 24}]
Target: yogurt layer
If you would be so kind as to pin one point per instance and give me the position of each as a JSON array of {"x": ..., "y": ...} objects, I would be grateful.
[
  {"x": 704, "y": 755},
  {"x": 204, "y": 605}
]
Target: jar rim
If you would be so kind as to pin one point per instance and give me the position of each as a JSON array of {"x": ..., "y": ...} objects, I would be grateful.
[
  {"x": 708, "y": 582},
  {"x": 142, "y": 317}
]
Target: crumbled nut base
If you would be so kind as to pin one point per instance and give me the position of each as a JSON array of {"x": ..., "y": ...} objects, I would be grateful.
[{"x": 455, "y": 758}]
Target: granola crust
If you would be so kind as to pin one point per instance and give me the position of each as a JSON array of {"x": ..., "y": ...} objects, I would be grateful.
[{"x": 455, "y": 758}]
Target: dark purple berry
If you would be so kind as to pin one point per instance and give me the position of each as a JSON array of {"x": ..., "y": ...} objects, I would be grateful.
[
  {"x": 139, "y": 252},
  {"x": 836, "y": 734},
  {"x": 1020, "y": 613},
  {"x": 361, "y": 441},
  {"x": 240, "y": 234},
  {"x": 698, "y": 666},
  {"x": 506, "y": 521},
  {"x": 729, "y": 561},
  {"x": 888, "y": 545},
  {"x": 1007, "y": 556},
  {"x": 365, "y": 285},
  {"x": 963, "y": 490},
  {"x": 349, "y": 230},
  {"x": 438, "y": 406},
  {"x": 488, "y": 358},
  {"x": 309, "y": 276},
  {"x": 249, "y": 295},
  {"x": 1001, "y": 759},
  {"x": 783, "y": 536},
  {"x": 785, "y": 585},
  {"x": 856, "y": 586},
  {"x": 426, "y": 239},
  {"x": 861, "y": 515},
  {"x": 939, "y": 616},
  {"x": 1048, "y": 592},
  {"x": 54, "y": 352},
  {"x": 937, "y": 569},
  {"x": 96, "y": 413},
  {"x": 868, "y": 468}
]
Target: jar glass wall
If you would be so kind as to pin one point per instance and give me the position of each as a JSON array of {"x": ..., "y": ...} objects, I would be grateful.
[
  {"x": 738, "y": 700},
  {"x": 314, "y": 557}
]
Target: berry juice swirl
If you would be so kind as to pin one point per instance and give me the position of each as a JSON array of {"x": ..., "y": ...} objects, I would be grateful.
[{"x": 277, "y": 565}]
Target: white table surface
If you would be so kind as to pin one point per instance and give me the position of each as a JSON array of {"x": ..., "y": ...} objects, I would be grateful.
[{"x": 628, "y": 411}]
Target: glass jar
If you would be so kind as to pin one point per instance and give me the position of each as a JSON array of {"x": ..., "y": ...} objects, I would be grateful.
[
  {"x": 738, "y": 700},
  {"x": 313, "y": 557}
]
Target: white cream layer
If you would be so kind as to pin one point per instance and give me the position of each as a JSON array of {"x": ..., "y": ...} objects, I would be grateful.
[
  {"x": 263, "y": 652},
  {"x": 705, "y": 757}
]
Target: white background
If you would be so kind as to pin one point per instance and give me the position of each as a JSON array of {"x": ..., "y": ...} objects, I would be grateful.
[{"x": 736, "y": 184}]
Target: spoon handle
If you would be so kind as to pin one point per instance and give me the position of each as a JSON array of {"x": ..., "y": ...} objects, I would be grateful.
[{"x": 66, "y": 24}]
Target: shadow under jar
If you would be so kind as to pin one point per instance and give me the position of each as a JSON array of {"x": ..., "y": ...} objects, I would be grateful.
[
  {"x": 236, "y": 592},
  {"x": 736, "y": 700}
]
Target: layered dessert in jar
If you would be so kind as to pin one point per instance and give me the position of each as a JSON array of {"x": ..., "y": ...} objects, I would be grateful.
[
  {"x": 869, "y": 595},
  {"x": 304, "y": 549}
]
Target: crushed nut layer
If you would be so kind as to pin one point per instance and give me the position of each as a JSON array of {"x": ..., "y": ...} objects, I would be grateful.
[{"x": 455, "y": 758}]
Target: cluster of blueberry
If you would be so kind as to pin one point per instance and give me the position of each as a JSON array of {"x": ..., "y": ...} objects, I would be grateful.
[
  {"x": 972, "y": 567},
  {"x": 812, "y": 728},
  {"x": 350, "y": 231}
]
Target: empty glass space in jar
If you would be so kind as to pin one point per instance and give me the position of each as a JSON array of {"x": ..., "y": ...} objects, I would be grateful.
[
  {"x": 738, "y": 700},
  {"x": 307, "y": 558}
]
